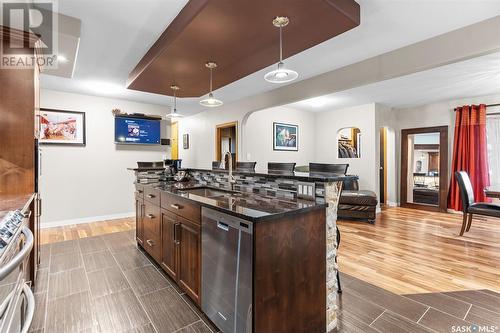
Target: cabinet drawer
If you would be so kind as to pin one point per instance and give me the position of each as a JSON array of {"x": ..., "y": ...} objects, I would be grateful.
[
  {"x": 181, "y": 207},
  {"x": 152, "y": 244},
  {"x": 139, "y": 191},
  {"x": 152, "y": 218},
  {"x": 152, "y": 195}
]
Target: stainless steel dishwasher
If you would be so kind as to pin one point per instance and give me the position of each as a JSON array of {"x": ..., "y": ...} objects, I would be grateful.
[{"x": 226, "y": 291}]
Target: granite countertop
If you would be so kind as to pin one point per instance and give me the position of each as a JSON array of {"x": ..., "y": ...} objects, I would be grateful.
[
  {"x": 301, "y": 176},
  {"x": 13, "y": 202},
  {"x": 248, "y": 206},
  {"x": 147, "y": 169}
]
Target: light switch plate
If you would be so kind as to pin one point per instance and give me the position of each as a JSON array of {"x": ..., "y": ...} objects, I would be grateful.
[{"x": 306, "y": 190}]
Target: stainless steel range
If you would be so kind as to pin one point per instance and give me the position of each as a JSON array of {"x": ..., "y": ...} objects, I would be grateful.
[{"x": 17, "y": 303}]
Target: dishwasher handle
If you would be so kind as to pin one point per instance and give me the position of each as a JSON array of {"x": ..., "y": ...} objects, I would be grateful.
[{"x": 223, "y": 226}]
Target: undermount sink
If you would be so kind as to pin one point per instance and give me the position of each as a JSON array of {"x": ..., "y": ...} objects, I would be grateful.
[{"x": 210, "y": 192}]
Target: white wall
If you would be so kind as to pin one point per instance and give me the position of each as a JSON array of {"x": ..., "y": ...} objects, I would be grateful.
[
  {"x": 317, "y": 138},
  {"x": 385, "y": 118},
  {"x": 258, "y": 137},
  {"x": 81, "y": 184},
  {"x": 201, "y": 130},
  {"x": 328, "y": 123}
]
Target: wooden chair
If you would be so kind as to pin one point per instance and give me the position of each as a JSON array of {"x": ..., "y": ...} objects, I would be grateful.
[
  {"x": 275, "y": 166},
  {"x": 469, "y": 206},
  {"x": 245, "y": 166},
  {"x": 340, "y": 169}
]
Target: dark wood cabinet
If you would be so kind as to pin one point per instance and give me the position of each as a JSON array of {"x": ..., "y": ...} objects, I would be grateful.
[
  {"x": 20, "y": 131},
  {"x": 139, "y": 214},
  {"x": 169, "y": 229},
  {"x": 181, "y": 252},
  {"x": 169, "y": 243},
  {"x": 152, "y": 230},
  {"x": 189, "y": 268}
]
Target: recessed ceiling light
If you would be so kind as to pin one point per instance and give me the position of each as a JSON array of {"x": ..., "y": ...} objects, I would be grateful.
[
  {"x": 106, "y": 88},
  {"x": 317, "y": 102},
  {"x": 61, "y": 58}
]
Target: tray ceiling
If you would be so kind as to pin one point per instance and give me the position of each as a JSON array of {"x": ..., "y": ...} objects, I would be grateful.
[{"x": 239, "y": 36}]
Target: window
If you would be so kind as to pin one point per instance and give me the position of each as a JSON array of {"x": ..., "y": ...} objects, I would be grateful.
[{"x": 493, "y": 139}]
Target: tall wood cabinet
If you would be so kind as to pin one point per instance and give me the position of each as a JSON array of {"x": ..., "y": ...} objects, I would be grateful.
[{"x": 19, "y": 132}]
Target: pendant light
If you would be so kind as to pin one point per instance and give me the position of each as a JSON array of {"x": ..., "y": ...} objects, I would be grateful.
[
  {"x": 211, "y": 101},
  {"x": 174, "y": 113},
  {"x": 282, "y": 74}
]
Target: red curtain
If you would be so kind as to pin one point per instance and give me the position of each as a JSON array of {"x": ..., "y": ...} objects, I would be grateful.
[{"x": 470, "y": 153}]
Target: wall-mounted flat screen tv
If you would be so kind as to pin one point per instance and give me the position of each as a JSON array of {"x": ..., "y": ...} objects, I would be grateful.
[{"x": 137, "y": 131}]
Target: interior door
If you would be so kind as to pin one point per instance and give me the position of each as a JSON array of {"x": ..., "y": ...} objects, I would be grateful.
[
  {"x": 383, "y": 162},
  {"x": 174, "y": 141}
]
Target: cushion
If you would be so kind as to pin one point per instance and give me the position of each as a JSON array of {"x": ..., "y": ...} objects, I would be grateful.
[
  {"x": 486, "y": 209},
  {"x": 360, "y": 198}
]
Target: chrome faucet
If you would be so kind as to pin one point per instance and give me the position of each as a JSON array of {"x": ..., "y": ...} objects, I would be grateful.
[{"x": 232, "y": 180}]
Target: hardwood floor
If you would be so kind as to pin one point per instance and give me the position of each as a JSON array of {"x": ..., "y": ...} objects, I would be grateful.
[
  {"x": 83, "y": 230},
  {"x": 411, "y": 251},
  {"x": 406, "y": 252}
]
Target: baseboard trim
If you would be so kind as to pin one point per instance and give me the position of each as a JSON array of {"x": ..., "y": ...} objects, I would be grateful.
[{"x": 89, "y": 219}]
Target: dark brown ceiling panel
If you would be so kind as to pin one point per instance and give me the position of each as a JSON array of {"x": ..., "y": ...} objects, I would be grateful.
[{"x": 239, "y": 36}]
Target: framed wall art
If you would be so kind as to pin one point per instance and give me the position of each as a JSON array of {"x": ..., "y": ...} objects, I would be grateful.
[
  {"x": 285, "y": 137},
  {"x": 62, "y": 127}
]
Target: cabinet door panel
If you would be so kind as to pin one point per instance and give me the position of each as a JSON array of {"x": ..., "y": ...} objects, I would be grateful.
[
  {"x": 189, "y": 274},
  {"x": 139, "y": 221},
  {"x": 169, "y": 243}
]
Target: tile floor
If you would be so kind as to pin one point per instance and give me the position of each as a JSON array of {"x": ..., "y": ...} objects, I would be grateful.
[
  {"x": 105, "y": 284},
  {"x": 364, "y": 307}
]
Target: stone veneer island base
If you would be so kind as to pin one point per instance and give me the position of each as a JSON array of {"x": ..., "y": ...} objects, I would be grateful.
[{"x": 332, "y": 196}]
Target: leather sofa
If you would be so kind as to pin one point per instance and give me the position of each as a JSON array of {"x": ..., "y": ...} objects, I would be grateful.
[
  {"x": 357, "y": 204},
  {"x": 354, "y": 203}
]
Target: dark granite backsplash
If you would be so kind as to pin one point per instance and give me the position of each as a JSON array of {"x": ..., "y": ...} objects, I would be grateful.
[{"x": 280, "y": 188}]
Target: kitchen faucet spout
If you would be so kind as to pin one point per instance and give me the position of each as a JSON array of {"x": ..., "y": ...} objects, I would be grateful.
[{"x": 232, "y": 180}]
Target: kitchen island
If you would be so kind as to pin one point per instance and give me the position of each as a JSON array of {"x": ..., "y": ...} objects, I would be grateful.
[{"x": 281, "y": 279}]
